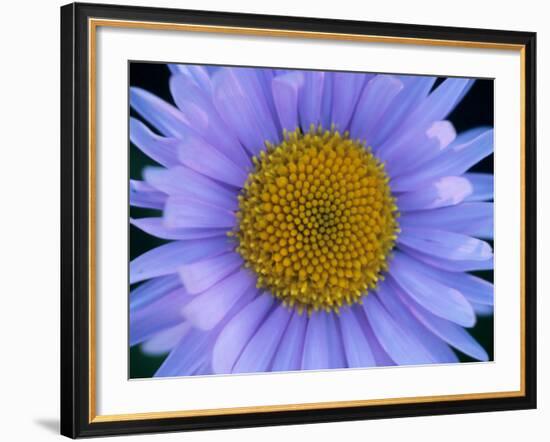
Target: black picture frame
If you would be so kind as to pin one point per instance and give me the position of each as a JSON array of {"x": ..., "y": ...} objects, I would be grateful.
[{"x": 76, "y": 419}]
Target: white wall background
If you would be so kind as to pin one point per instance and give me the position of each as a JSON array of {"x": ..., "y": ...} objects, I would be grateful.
[{"x": 29, "y": 227}]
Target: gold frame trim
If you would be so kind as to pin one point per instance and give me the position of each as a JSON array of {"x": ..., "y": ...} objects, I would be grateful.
[{"x": 93, "y": 24}]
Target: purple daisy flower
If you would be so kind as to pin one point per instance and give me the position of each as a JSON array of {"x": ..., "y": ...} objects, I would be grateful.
[{"x": 314, "y": 220}]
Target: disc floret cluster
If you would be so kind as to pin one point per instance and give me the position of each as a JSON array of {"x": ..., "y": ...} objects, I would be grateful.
[{"x": 317, "y": 220}]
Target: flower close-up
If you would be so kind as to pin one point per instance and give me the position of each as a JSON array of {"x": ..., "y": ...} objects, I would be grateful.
[{"x": 308, "y": 220}]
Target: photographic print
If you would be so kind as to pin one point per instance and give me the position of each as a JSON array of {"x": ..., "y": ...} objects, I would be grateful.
[{"x": 286, "y": 219}]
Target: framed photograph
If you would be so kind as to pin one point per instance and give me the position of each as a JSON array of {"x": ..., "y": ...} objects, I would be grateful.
[{"x": 275, "y": 220}]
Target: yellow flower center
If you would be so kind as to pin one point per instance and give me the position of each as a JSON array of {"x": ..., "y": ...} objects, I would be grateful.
[{"x": 317, "y": 220}]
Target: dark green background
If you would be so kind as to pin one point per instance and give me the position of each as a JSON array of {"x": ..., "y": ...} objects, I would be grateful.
[{"x": 475, "y": 109}]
